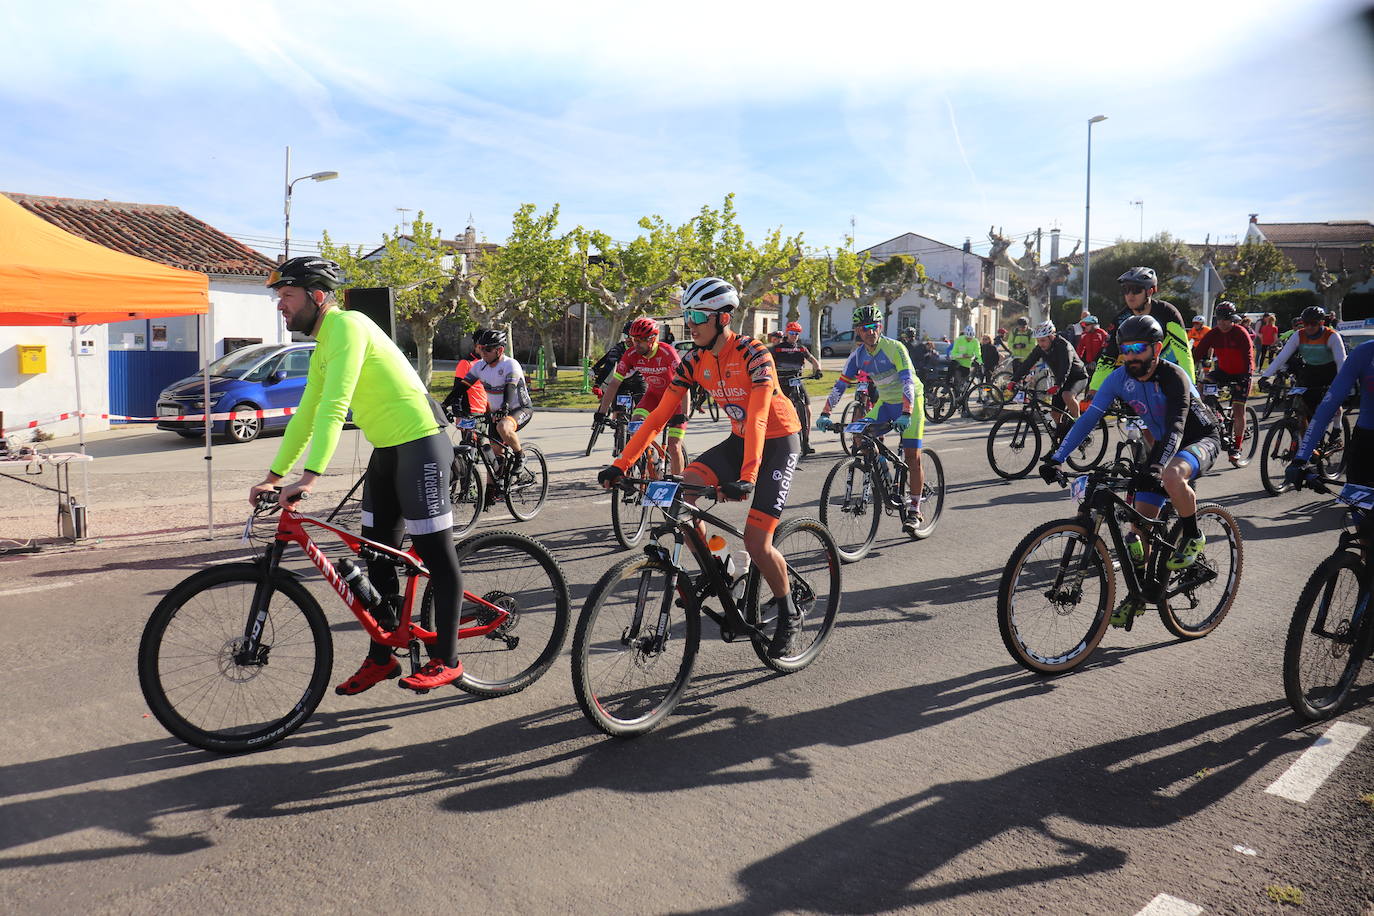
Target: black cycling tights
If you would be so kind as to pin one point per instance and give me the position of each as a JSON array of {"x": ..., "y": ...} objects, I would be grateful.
[{"x": 436, "y": 550}]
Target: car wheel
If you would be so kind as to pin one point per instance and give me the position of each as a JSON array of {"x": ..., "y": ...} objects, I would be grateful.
[{"x": 242, "y": 429}]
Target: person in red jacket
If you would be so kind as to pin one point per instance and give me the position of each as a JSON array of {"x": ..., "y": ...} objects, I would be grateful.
[
  {"x": 1235, "y": 352},
  {"x": 1091, "y": 341},
  {"x": 477, "y": 395},
  {"x": 1268, "y": 340}
]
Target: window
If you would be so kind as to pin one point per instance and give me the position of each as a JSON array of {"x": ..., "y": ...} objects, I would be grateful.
[
  {"x": 909, "y": 317},
  {"x": 296, "y": 363},
  {"x": 826, "y": 327},
  {"x": 1002, "y": 283}
]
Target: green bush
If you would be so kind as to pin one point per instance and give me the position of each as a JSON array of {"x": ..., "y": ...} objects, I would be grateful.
[{"x": 1286, "y": 304}]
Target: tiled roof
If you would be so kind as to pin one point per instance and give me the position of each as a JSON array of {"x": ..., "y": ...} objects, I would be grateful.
[
  {"x": 1337, "y": 233},
  {"x": 167, "y": 235}
]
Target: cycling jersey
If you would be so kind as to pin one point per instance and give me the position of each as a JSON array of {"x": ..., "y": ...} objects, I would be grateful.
[
  {"x": 790, "y": 358},
  {"x": 966, "y": 352},
  {"x": 477, "y": 395},
  {"x": 657, "y": 370},
  {"x": 888, "y": 366},
  {"x": 1167, "y": 402},
  {"x": 1235, "y": 350},
  {"x": 603, "y": 367},
  {"x": 1325, "y": 349},
  {"x": 1176, "y": 346},
  {"x": 1356, "y": 372},
  {"x": 743, "y": 381},
  {"x": 504, "y": 383},
  {"x": 355, "y": 366},
  {"x": 1019, "y": 342},
  {"x": 1089, "y": 346},
  {"x": 1062, "y": 360}
]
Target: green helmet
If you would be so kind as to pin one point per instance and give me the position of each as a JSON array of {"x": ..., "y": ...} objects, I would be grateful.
[{"x": 867, "y": 314}]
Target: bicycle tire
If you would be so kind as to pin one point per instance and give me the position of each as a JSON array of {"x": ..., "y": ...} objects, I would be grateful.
[
  {"x": 1321, "y": 669},
  {"x": 1223, "y": 558},
  {"x": 846, "y": 417},
  {"x": 1250, "y": 446},
  {"x": 620, "y": 438},
  {"x": 847, "y": 499},
  {"x": 629, "y": 516},
  {"x": 627, "y": 681},
  {"x": 984, "y": 401},
  {"x": 939, "y": 402},
  {"x": 1033, "y": 639},
  {"x": 202, "y": 682},
  {"x": 1333, "y": 471},
  {"x": 527, "y": 489},
  {"x": 1007, "y": 445},
  {"x": 813, "y": 574},
  {"x": 519, "y": 575},
  {"x": 1280, "y": 445},
  {"x": 932, "y": 494},
  {"x": 467, "y": 492},
  {"x": 1091, "y": 450}
]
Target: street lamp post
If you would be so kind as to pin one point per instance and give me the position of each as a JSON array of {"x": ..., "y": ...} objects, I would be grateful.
[
  {"x": 1087, "y": 215},
  {"x": 286, "y": 236},
  {"x": 1141, "y": 205}
]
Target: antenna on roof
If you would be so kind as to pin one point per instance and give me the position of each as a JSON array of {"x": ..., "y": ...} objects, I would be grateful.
[{"x": 404, "y": 222}]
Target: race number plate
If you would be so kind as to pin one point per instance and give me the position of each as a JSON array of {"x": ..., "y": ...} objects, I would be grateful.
[
  {"x": 1209, "y": 390},
  {"x": 660, "y": 493},
  {"x": 795, "y": 381},
  {"x": 633, "y": 426},
  {"x": 1019, "y": 398},
  {"x": 1296, "y": 390},
  {"x": 857, "y": 426},
  {"x": 467, "y": 422},
  {"x": 1078, "y": 488},
  {"x": 624, "y": 400},
  {"x": 1352, "y": 494}
]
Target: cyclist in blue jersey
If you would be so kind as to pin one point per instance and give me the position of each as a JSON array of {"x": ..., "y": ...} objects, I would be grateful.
[
  {"x": 1179, "y": 426},
  {"x": 900, "y": 400},
  {"x": 1358, "y": 370}
]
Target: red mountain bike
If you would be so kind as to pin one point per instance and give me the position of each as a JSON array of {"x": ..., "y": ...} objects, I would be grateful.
[{"x": 238, "y": 656}]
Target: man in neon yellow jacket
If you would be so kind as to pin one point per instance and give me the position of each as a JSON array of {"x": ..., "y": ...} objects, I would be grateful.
[{"x": 965, "y": 352}]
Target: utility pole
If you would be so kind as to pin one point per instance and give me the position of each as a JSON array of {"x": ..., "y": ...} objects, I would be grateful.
[{"x": 1141, "y": 205}]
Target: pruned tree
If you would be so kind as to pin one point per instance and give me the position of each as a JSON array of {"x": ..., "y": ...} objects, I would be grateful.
[
  {"x": 1334, "y": 286},
  {"x": 1035, "y": 280},
  {"x": 887, "y": 281},
  {"x": 717, "y": 247},
  {"x": 632, "y": 278},
  {"x": 823, "y": 281},
  {"x": 1250, "y": 266}
]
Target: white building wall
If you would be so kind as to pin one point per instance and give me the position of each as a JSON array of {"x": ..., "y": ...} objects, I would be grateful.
[
  {"x": 241, "y": 307},
  {"x": 25, "y": 397}
]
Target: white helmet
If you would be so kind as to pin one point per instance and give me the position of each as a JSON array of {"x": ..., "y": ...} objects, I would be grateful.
[
  {"x": 1045, "y": 329},
  {"x": 710, "y": 294},
  {"x": 968, "y": 331}
]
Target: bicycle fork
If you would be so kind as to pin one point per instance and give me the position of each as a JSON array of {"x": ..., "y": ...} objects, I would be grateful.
[{"x": 250, "y": 651}]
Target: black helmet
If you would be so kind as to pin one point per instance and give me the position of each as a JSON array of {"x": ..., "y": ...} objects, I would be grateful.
[
  {"x": 1140, "y": 276},
  {"x": 1139, "y": 327},
  {"x": 1313, "y": 313},
  {"x": 310, "y": 272},
  {"x": 625, "y": 331},
  {"x": 491, "y": 338},
  {"x": 477, "y": 334},
  {"x": 1225, "y": 311}
]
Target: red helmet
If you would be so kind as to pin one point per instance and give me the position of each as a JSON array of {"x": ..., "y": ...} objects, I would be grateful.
[
  {"x": 794, "y": 327},
  {"x": 644, "y": 327}
]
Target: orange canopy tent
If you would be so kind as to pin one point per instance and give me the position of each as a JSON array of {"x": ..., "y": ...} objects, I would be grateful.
[{"x": 50, "y": 277}]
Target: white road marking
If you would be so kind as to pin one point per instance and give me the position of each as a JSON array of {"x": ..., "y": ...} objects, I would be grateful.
[
  {"x": 1164, "y": 905},
  {"x": 47, "y": 586},
  {"x": 1302, "y": 780}
]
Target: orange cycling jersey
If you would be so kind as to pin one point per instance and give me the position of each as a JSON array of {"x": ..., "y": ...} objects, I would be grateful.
[{"x": 744, "y": 382}]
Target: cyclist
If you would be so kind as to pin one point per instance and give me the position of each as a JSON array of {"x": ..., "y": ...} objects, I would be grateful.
[
  {"x": 1322, "y": 351},
  {"x": 508, "y": 396},
  {"x": 963, "y": 355},
  {"x": 1356, "y": 373},
  {"x": 1235, "y": 353},
  {"x": 357, "y": 366},
  {"x": 900, "y": 400},
  {"x": 477, "y": 395},
  {"x": 1019, "y": 340},
  {"x": 1070, "y": 376},
  {"x": 762, "y": 451},
  {"x": 603, "y": 367},
  {"x": 1137, "y": 287},
  {"x": 1181, "y": 432},
  {"x": 792, "y": 358},
  {"x": 1091, "y": 341},
  {"x": 1196, "y": 332},
  {"x": 656, "y": 362}
]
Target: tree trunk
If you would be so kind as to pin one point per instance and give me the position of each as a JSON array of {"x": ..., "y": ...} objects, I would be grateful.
[
  {"x": 550, "y": 357},
  {"x": 815, "y": 313},
  {"x": 423, "y": 332}
]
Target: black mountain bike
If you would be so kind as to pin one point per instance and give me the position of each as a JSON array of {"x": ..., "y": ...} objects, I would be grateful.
[
  {"x": 855, "y": 410},
  {"x": 859, "y": 489},
  {"x": 638, "y": 634},
  {"x": 620, "y": 411},
  {"x": 794, "y": 386},
  {"x": 1332, "y": 631},
  {"x": 524, "y": 488},
  {"x": 1219, "y": 399},
  {"x": 1058, "y": 590},
  {"x": 1017, "y": 440},
  {"x": 1282, "y": 441}
]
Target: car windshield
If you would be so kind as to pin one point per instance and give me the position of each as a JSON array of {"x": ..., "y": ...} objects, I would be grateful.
[
  {"x": 1353, "y": 339},
  {"x": 237, "y": 363}
]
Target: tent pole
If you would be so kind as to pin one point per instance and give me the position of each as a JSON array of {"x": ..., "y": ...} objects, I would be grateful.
[
  {"x": 80, "y": 426},
  {"x": 205, "y": 398}
]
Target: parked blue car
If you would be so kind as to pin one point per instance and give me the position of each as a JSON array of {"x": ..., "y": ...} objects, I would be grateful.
[{"x": 262, "y": 377}]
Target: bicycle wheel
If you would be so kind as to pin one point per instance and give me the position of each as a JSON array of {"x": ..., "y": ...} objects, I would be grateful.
[
  {"x": 1197, "y": 598},
  {"x": 467, "y": 491},
  {"x": 1014, "y": 445},
  {"x": 1334, "y": 465},
  {"x": 528, "y": 487},
  {"x": 1279, "y": 448},
  {"x": 1091, "y": 450},
  {"x": 932, "y": 493},
  {"x": 1326, "y": 644},
  {"x": 1250, "y": 445},
  {"x": 518, "y": 575},
  {"x": 629, "y": 516},
  {"x": 984, "y": 401},
  {"x": 618, "y": 443},
  {"x": 850, "y": 413},
  {"x": 1054, "y": 603},
  {"x": 813, "y": 576},
  {"x": 633, "y": 648},
  {"x": 203, "y": 691},
  {"x": 849, "y": 508},
  {"x": 939, "y": 402}
]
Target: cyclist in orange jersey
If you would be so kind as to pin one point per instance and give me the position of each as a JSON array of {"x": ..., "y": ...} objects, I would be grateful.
[{"x": 761, "y": 453}]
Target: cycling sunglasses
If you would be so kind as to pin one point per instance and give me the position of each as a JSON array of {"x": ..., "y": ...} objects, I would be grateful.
[
  {"x": 698, "y": 316},
  {"x": 875, "y": 326},
  {"x": 1135, "y": 349},
  {"x": 1130, "y": 288}
]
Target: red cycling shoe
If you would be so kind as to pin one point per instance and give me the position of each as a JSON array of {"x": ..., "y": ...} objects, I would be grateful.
[
  {"x": 434, "y": 674},
  {"x": 368, "y": 676}
]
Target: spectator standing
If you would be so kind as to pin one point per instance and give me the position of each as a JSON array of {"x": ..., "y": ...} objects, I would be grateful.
[{"x": 1091, "y": 341}]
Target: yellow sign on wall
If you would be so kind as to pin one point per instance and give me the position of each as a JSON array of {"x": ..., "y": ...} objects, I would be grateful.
[{"x": 33, "y": 359}]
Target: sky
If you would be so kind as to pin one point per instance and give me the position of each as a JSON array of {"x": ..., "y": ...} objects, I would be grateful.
[{"x": 879, "y": 119}]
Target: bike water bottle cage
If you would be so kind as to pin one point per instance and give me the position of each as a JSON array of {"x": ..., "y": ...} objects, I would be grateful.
[{"x": 1136, "y": 348}]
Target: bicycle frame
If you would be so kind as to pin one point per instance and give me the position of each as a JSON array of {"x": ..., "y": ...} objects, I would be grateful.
[
  {"x": 874, "y": 448},
  {"x": 291, "y": 529}
]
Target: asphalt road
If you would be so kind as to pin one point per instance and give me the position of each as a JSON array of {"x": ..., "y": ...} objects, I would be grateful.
[{"x": 913, "y": 768}]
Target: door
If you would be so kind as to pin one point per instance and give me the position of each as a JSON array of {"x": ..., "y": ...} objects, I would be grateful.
[
  {"x": 145, "y": 357},
  {"x": 287, "y": 392}
]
